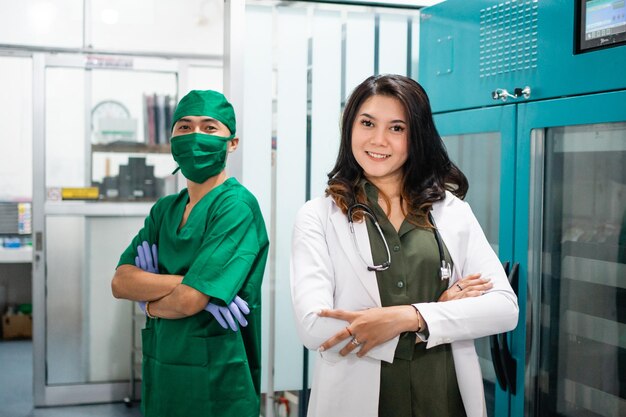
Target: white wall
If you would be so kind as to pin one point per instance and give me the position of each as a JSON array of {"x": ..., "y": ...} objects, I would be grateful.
[
  {"x": 175, "y": 26},
  {"x": 47, "y": 23},
  {"x": 178, "y": 26},
  {"x": 16, "y": 127}
]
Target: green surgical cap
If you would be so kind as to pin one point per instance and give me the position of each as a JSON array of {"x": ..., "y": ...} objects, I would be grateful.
[{"x": 206, "y": 103}]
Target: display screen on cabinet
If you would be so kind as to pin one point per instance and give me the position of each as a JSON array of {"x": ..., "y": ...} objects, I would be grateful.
[{"x": 600, "y": 24}]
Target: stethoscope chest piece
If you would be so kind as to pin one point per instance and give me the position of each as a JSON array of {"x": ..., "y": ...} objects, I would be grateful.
[{"x": 445, "y": 272}]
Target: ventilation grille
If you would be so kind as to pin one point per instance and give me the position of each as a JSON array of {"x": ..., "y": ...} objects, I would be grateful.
[{"x": 508, "y": 37}]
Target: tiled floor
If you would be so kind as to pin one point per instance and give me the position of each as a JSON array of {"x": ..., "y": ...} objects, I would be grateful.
[{"x": 16, "y": 382}]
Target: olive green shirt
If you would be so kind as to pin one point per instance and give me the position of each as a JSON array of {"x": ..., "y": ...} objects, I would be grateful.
[{"x": 419, "y": 382}]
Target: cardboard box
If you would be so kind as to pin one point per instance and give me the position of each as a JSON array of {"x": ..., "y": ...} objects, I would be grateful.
[{"x": 17, "y": 326}]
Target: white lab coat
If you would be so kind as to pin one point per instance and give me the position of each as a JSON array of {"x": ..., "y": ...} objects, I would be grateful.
[{"x": 327, "y": 273}]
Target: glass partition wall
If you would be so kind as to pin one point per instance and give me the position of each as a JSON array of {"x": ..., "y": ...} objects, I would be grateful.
[
  {"x": 89, "y": 334},
  {"x": 302, "y": 62}
]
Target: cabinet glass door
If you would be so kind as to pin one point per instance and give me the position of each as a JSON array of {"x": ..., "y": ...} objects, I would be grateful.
[
  {"x": 481, "y": 143},
  {"x": 575, "y": 255}
]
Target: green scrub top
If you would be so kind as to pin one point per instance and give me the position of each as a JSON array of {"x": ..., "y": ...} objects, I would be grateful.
[
  {"x": 192, "y": 366},
  {"x": 419, "y": 382}
]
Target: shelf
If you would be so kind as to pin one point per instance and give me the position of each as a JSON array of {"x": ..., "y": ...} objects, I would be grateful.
[
  {"x": 97, "y": 208},
  {"x": 17, "y": 255},
  {"x": 591, "y": 268},
  {"x": 130, "y": 147},
  {"x": 598, "y": 251}
]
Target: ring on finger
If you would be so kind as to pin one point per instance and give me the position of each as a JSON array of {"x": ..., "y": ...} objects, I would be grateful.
[
  {"x": 355, "y": 342},
  {"x": 459, "y": 285}
]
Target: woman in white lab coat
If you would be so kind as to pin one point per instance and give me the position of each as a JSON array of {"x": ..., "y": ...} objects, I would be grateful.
[{"x": 394, "y": 305}]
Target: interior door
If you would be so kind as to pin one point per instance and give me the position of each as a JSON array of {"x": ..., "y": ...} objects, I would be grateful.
[
  {"x": 570, "y": 228},
  {"x": 482, "y": 143},
  {"x": 95, "y": 178}
]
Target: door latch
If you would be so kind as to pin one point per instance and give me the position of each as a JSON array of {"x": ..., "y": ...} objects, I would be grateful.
[{"x": 503, "y": 94}]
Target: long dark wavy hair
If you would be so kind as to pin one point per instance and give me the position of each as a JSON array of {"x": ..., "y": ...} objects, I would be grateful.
[{"x": 428, "y": 171}]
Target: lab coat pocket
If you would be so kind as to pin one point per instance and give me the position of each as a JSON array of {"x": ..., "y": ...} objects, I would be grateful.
[{"x": 330, "y": 357}]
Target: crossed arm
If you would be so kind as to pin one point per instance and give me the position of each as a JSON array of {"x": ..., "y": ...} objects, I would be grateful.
[
  {"x": 168, "y": 297},
  {"x": 369, "y": 328}
]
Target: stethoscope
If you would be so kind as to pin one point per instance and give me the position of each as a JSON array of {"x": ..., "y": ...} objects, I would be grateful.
[{"x": 445, "y": 271}]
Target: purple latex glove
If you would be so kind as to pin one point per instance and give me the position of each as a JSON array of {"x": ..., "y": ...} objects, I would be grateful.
[
  {"x": 147, "y": 258},
  {"x": 224, "y": 315}
]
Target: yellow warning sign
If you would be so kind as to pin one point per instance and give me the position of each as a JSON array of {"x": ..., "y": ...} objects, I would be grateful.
[{"x": 80, "y": 193}]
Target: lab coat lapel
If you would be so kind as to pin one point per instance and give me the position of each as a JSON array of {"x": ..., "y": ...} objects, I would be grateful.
[{"x": 344, "y": 236}]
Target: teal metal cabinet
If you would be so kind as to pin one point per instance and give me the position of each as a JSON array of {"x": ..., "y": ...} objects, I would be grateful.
[
  {"x": 551, "y": 177},
  {"x": 473, "y": 48},
  {"x": 560, "y": 182}
]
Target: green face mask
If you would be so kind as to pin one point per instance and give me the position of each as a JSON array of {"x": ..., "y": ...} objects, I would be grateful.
[{"x": 200, "y": 156}]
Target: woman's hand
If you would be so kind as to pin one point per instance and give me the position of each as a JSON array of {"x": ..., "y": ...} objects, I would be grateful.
[
  {"x": 470, "y": 286},
  {"x": 370, "y": 328}
]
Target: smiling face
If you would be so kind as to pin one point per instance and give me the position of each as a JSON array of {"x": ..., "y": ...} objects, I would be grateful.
[{"x": 380, "y": 139}]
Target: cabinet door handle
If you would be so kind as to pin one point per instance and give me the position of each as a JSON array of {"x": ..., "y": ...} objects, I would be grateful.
[
  {"x": 38, "y": 241},
  {"x": 496, "y": 357},
  {"x": 506, "y": 267},
  {"x": 514, "y": 278},
  {"x": 508, "y": 363},
  {"x": 504, "y": 364},
  {"x": 509, "y": 367},
  {"x": 497, "y": 361}
]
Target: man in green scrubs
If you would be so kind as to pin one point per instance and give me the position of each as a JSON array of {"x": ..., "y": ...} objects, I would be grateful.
[{"x": 212, "y": 245}]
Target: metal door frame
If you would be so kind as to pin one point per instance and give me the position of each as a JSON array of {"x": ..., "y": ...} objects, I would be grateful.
[
  {"x": 500, "y": 119},
  {"x": 533, "y": 118}
]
